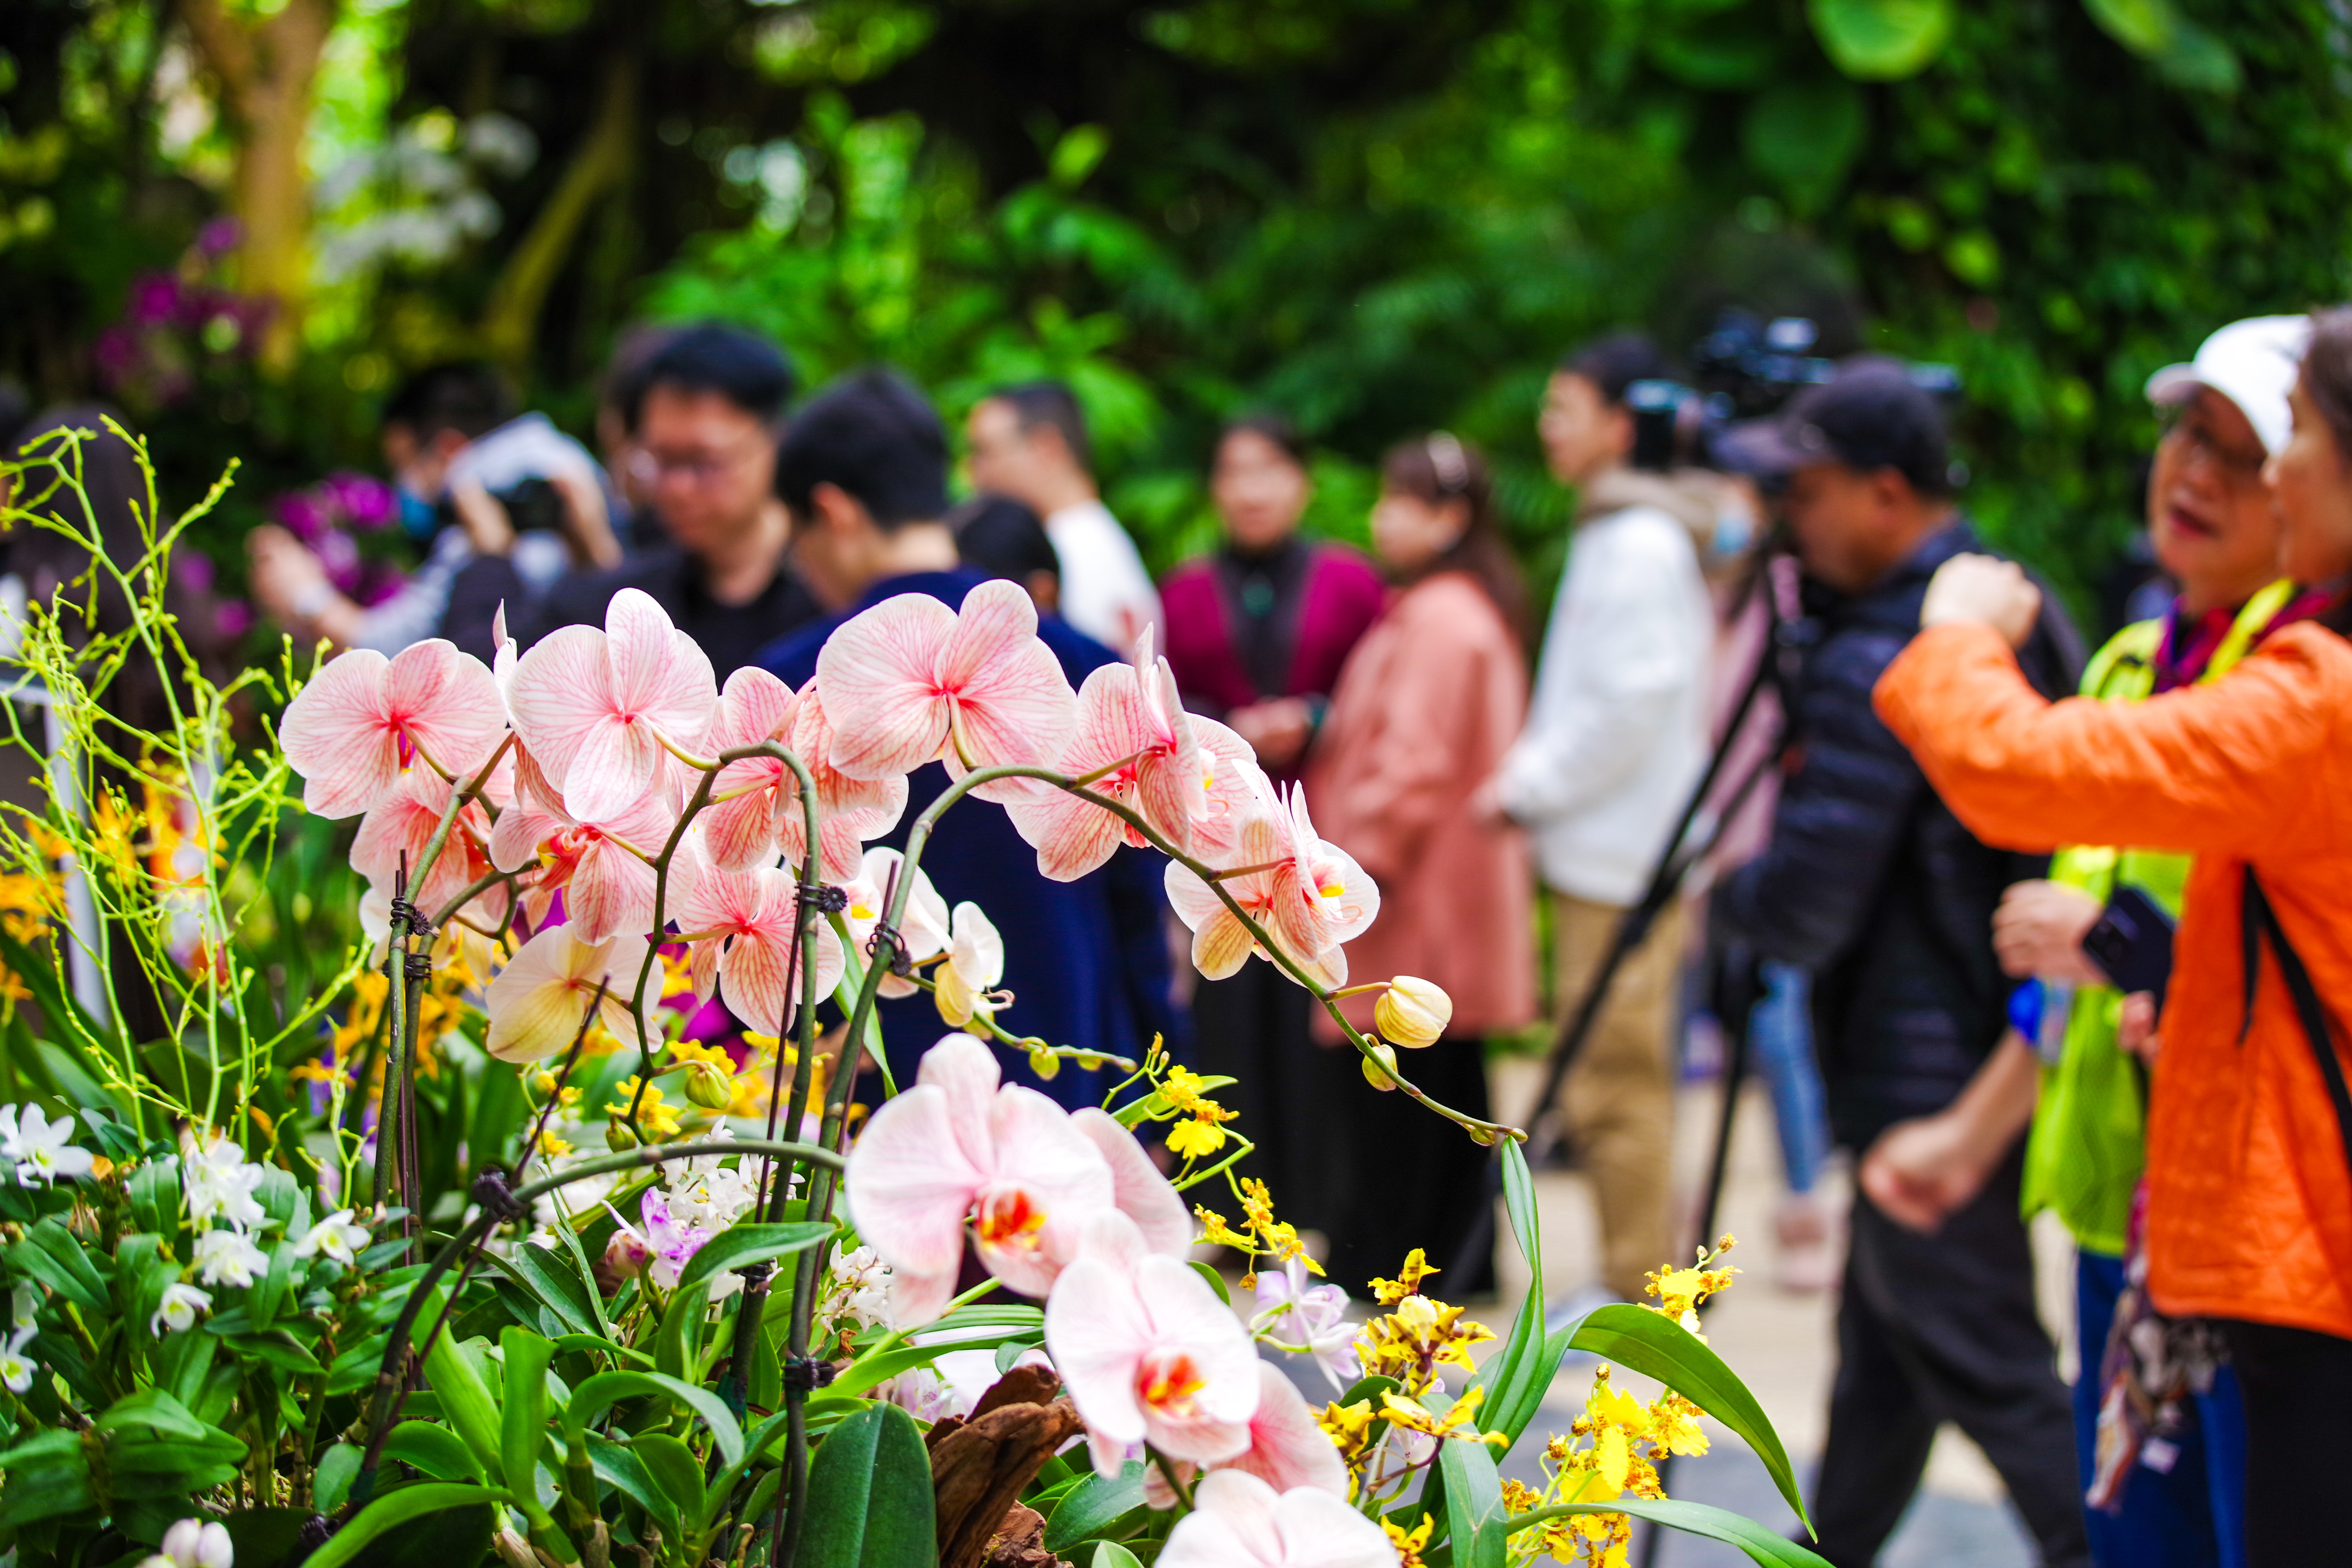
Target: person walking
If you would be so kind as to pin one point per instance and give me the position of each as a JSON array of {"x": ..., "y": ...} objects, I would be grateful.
[
  {"x": 1257, "y": 634},
  {"x": 1615, "y": 740},
  {"x": 1029, "y": 442},
  {"x": 1872, "y": 884},
  {"x": 2249, "y": 1185},
  {"x": 1427, "y": 705}
]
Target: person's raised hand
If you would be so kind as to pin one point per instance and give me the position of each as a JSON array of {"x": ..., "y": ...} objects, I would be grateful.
[
  {"x": 1919, "y": 1172},
  {"x": 1277, "y": 730},
  {"x": 483, "y": 516},
  {"x": 1997, "y": 594},
  {"x": 2135, "y": 1026},
  {"x": 2038, "y": 929}
]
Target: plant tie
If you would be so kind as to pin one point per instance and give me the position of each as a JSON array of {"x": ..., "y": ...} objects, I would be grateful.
[
  {"x": 805, "y": 1375},
  {"x": 497, "y": 1199}
]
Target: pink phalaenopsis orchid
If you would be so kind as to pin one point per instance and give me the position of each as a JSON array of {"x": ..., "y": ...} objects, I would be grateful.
[
  {"x": 1239, "y": 1521},
  {"x": 957, "y": 1145},
  {"x": 399, "y": 825},
  {"x": 1309, "y": 1318},
  {"x": 1287, "y": 1449},
  {"x": 604, "y": 867},
  {"x": 364, "y": 718},
  {"x": 1307, "y": 895},
  {"x": 538, "y": 999},
  {"x": 911, "y": 681},
  {"x": 598, "y": 708},
  {"x": 1147, "y": 1352},
  {"x": 758, "y": 809},
  {"x": 1130, "y": 723},
  {"x": 744, "y": 923}
]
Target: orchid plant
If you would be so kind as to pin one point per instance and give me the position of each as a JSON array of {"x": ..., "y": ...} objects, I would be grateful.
[{"x": 358, "y": 1286}]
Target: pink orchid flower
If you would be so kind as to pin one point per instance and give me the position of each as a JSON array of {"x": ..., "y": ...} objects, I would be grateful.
[
  {"x": 1308, "y": 1319},
  {"x": 924, "y": 926},
  {"x": 1147, "y": 1351},
  {"x": 960, "y": 1145},
  {"x": 911, "y": 681},
  {"x": 849, "y": 811},
  {"x": 358, "y": 724},
  {"x": 1138, "y": 1188},
  {"x": 1239, "y": 1521},
  {"x": 739, "y": 825},
  {"x": 1309, "y": 895},
  {"x": 598, "y": 708},
  {"x": 664, "y": 1245},
  {"x": 536, "y": 1003},
  {"x": 401, "y": 824},
  {"x": 1287, "y": 1449},
  {"x": 752, "y": 944},
  {"x": 1130, "y": 723},
  {"x": 1233, "y": 789},
  {"x": 602, "y": 867}
]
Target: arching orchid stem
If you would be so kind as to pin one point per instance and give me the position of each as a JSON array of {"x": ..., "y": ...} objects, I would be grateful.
[
  {"x": 1104, "y": 772},
  {"x": 1366, "y": 989},
  {"x": 1031, "y": 1044},
  {"x": 457, "y": 799},
  {"x": 1213, "y": 877},
  {"x": 472, "y": 890},
  {"x": 471, "y": 1235}
]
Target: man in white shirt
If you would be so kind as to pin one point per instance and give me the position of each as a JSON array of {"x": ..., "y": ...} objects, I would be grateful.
[
  {"x": 1029, "y": 442},
  {"x": 1615, "y": 739}
]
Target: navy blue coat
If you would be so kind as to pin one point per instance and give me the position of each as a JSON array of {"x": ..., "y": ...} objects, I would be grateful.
[{"x": 1086, "y": 960}]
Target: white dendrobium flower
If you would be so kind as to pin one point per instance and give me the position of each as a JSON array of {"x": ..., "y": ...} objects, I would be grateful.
[
  {"x": 220, "y": 1184},
  {"x": 16, "y": 1368},
  {"x": 182, "y": 1302},
  {"x": 37, "y": 1146},
  {"x": 975, "y": 963},
  {"x": 194, "y": 1544},
  {"x": 26, "y": 1302},
  {"x": 335, "y": 1236},
  {"x": 864, "y": 1283},
  {"x": 227, "y": 1257}
]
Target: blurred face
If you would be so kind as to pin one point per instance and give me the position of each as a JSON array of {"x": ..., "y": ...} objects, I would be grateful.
[
  {"x": 2209, "y": 514},
  {"x": 706, "y": 464},
  {"x": 420, "y": 468},
  {"x": 1005, "y": 460},
  {"x": 1408, "y": 532},
  {"x": 1848, "y": 526},
  {"x": 2313, "y": 488},
  {"x": 1582, "y": 435},
  {"x": 1258, "y": 490}
]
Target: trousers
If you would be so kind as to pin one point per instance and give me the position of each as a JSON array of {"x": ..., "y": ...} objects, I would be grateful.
[
  {"x": 1618, "y": 1100},
  {"x": 2297, "y": 1387},
  {"x": 1942, "y": 1328}
]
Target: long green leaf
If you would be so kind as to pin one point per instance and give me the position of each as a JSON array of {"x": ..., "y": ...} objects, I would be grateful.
[
  {"x": 50, "y": 1254},
  {"x": 465, "y": 1397},
  {"x": 869, "y": 1495},
  {"x": 1693, "y": 1518},
  {"x": 547, "y": 1282},
  {"x": 1111, "y": 1554},
  {"x": 438, "y": 1451},
  {"x": 607, "y": 1389},
  {"x": 618, "y": 1463},
  {"x": 748, "y": 1244},
  {"x": 1474, "y": 1504},
  {"x": 1093, "y": 1506},
  {"x": 1518, "y": 1375},
  {"x": 522, "y": 1430},
  {"x": 1657, "y": 1346},
  {"x": 395, "y": 1508},
  {"x": 872, "y": 1371}
]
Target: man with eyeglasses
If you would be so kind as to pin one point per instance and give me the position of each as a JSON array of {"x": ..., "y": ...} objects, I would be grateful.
[{"x": 706, "y": 412}]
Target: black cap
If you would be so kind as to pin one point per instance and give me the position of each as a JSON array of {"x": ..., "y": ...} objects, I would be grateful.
[{"x": 1873, "y": 416}]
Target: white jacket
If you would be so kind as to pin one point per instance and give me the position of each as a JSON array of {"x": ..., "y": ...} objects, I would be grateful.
[
  {"x": 1106, "y": 591},
  {"x": 1617, "y": 732}
]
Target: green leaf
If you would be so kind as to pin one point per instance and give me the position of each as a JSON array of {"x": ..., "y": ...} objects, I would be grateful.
[
  {"x": 1216, "y": 1280},
  {"x": 395, "y": 1509},
  {"x": 673, "y": 1468},
  {"x": 1761, "y": 1546},
  {"x": 438, "y": 1451},
  {"x": 1882, "y": 40},
  {"x": 1804, "y": 136},
  {"x": 1111, "y": 1554},
  {"x": 1517, "y": 1375},
  {"x": 2143, "y": 27},
  {"x": 748, "y": 1244},
  {"x": 464, "y": 1394},
  {"x": 1474, "y": 1504},
  {"x": 157, "y": 1412},
  {"x": 1655, "y": 1346},
  {"x": 569, "y": 1344},
  {"x": 279, "y": 1348},
  {"x": 869, "y": 1495},
  {"x": 546, "y": 1279},
  {"x": 1093, "y": 1506},
  {"x": 607, "y": 1389},
  {"x": 331, "y": 1483},
  {"x": 154, "y": 1189},
  {"x": 870, "y": 1370},
  {"x": 618, "y": 1463},
  {"x": 50, "y": 1254},
  {"x": 522, "y": 1430}
]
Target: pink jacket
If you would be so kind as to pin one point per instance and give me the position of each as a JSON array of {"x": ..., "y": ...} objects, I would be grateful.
[{"x": 1428, "y": 702}]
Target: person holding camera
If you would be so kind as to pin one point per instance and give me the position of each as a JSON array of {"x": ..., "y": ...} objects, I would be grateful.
[
  {"x": 1872, "y": 884},
  {"x": 1616, "y": 738},
  {"x": 2248, "y": 1212},
  {"x": 510, "y": 503}
]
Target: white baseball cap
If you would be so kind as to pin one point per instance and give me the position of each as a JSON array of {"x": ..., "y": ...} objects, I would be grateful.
[{"x": 2254, "y": 363}]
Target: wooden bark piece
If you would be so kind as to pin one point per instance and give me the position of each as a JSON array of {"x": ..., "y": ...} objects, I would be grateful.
[{"x": 979, "y": 1463}]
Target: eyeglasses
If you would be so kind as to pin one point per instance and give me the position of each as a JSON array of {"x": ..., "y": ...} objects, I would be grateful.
[
  {"x": 2198, "y": 440},
  {"x": 703, "y": 469}
]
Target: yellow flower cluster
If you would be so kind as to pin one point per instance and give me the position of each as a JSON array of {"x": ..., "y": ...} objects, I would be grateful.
[
  {"x": 1421, "y": 1337},
  {"x": 1197, "y": 1132},
  {"x": 1261, "y": 1235},
  {"x": 658, "y": 1120},
  {"x": 1409, "y": 1543},
  {"x": 1680, "y": 1291}
]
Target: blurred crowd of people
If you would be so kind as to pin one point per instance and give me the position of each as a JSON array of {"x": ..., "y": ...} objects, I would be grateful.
[{"x": 2135, "y": 1031}]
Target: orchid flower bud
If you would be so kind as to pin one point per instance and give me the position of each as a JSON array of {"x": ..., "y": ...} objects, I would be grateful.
[
  {"x": 708, "y": 1086},
  {"x": 1413, "y": 1013},
  {"x": 1384, "y": 1057},
  {"x": 619, "y": 1137}
]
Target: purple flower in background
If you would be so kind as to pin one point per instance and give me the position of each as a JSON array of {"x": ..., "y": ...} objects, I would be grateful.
[
  {"x": 192, "y": 570},
  {"x": 233, "y": 619},
  {"x": 154, "y": 300},
  {"x": 340, "y": 557},
  {"x": 219, "y": 237},
  {"x": 375, "y": 582},
  {"x": 300, "y": 513},
  {"x": 367, "y": 503},
  {"x": 116, "y": 352}
]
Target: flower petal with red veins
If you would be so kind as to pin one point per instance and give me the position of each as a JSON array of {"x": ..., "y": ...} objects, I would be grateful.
[
  {"x": 561, "y": 691},
  {"x": 448, "y": 702},
  {"x": 616, "y": 764},
  {"x": 1287, "y": 1449},
  {"x": 878, "y": 676},
  {"x": 338, "y": 734},
  {"x": 909, "y": 1184},
  {"x": 1059, "y": 1174}
]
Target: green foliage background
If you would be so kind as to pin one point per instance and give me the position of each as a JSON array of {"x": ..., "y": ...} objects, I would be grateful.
[{"x": 1375, "y": 216}]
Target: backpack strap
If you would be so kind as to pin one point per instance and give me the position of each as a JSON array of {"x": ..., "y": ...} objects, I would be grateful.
[{"x": 2260, "y": 921}]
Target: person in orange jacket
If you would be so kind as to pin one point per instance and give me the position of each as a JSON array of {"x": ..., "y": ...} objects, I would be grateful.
[{"x": 2249, "y": 1216}]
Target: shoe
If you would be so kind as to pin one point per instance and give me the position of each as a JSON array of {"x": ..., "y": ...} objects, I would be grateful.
[{"x": 1807, "y": 1260}]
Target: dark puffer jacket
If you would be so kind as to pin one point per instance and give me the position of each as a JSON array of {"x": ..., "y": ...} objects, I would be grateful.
[{"x": 1869, "y": 880}]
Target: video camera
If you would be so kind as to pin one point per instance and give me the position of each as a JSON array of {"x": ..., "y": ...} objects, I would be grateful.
[{"x": 1745, "y": 368}]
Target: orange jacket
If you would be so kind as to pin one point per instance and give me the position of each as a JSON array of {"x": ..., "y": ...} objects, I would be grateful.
[{"x": 2249, "y": 1200}]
